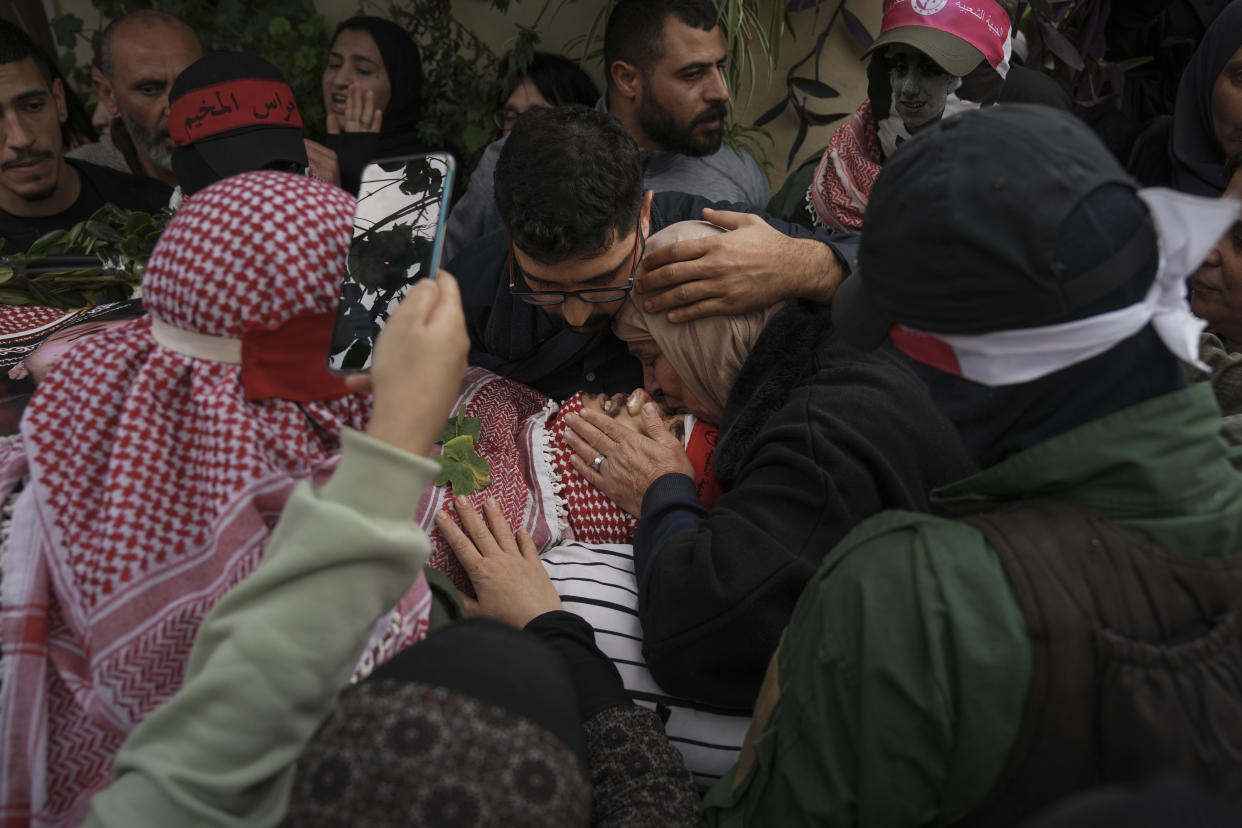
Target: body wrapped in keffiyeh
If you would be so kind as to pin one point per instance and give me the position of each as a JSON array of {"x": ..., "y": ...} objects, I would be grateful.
[{"x": 153, "y": 477}]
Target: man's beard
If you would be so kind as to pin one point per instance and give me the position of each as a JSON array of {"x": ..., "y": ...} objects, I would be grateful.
[
  {"x": 152, "y": 145},
  {"x": 659, "y": 125}
]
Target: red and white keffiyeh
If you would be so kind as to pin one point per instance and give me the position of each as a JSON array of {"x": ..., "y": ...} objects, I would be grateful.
[
  {"x": 846, "y": 173},
  {"x": 511, "y": 415},
  {"x": 591, "y": 515},
  {"x": 153, "y": 483}
]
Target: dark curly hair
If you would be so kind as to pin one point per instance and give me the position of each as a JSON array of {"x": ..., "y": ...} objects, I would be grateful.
[{"x": 569, "y": 182}]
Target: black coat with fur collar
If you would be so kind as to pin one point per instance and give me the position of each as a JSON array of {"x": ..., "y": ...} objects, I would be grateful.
[{"x": 816, "y": 436}]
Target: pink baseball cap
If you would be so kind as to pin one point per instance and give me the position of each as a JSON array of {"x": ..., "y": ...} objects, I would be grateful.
[{"x": 957, "y": 34}]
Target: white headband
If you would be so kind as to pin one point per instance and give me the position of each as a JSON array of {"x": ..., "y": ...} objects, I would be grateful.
[{"x": 1187, "y": 227}]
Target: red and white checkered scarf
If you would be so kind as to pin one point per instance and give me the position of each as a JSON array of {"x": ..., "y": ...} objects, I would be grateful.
[
  {"x": 153, "y": 484},
  {"x": 591, "y": 515},
  {"x": 846, "y": 173}
]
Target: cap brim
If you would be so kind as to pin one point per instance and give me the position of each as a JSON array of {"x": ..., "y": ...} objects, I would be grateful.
[
  {"x": 950, "y": 52},
  {"x": 856, "y": 317},
  {"x": 238, "y": 152}
]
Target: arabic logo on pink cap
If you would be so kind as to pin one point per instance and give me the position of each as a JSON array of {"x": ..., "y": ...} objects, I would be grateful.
[{"x": 928, "y": 6}]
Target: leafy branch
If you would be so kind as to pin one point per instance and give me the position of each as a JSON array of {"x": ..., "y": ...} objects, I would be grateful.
[{"x": 95, "y": 261}]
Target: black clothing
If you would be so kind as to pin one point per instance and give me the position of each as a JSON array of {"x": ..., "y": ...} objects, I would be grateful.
[
  {"x": 816, "y": 437},
  {"x": 519, "y": 341},
  {"x": 100, "y": 185}
]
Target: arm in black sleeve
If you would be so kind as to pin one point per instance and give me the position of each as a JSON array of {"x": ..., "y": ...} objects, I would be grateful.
[{"x": 637, "y": 777}]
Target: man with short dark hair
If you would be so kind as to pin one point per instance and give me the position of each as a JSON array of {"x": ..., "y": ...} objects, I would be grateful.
[
  {"x": 570, "y": 189},
  {"x": 664, "y": 62},
  {"x": 142, "y": 53},
  {"x": 41, "y": 190}
]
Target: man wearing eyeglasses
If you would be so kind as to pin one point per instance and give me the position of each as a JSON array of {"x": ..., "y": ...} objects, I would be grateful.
[{"x": 569, "y": 186}]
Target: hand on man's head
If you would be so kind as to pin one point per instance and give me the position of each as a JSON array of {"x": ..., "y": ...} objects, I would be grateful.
[{"x": 747, "y": 269}]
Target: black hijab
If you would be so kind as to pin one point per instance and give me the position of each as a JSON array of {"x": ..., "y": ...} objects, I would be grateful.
[
  {"x": 1197, "y": 157},
  {"x": 398, "y": 133}
]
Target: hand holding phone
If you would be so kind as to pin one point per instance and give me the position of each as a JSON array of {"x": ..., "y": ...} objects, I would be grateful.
[{"x": 398, "y": 235}]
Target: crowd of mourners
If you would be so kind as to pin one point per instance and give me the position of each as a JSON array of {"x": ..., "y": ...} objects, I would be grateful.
[{"x": 905, "y": 496}]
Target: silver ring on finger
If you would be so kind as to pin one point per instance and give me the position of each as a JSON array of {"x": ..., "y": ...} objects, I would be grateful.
[{"x": 598, "y": 461}]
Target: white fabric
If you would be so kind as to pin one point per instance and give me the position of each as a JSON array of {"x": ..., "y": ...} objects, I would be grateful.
[
  {"x": 892, "y": 130},
  {"x": 597, "y": 582},
  {"x": 1187, "y": 228},
  {"x": 196, "y": 345}
]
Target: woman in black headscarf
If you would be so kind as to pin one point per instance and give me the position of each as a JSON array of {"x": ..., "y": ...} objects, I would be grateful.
[
  {"x": 372, "y": 93},
  {"x": 1207, "y": 116}
]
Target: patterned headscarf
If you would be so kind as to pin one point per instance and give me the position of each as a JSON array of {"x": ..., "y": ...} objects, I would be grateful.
[
  {"x": 155, "y": 477},
  {"x": 706, "y": 353}
]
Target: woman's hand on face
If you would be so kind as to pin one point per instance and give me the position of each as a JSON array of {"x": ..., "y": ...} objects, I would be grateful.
[
  {"x": 511, "y": 584},
  {"x": 632, "y": 462},
  {"x": 360, "y": 113}
]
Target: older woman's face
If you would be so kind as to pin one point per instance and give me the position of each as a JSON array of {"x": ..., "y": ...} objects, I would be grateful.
[
  {"x": 1227, "y": 105},
  {"x": 354, "y": 58},
  {"x": 664, "y": 386},
  {"x": 1216, "y": 287}
]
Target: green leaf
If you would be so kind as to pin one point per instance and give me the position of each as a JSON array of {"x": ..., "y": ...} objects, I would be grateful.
[
  {"x": 462, "y": 469},
  {"x": 459, "y": 425},
  {"x": 66, "y": 28}
]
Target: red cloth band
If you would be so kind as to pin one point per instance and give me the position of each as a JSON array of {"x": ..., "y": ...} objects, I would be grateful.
[
  {"x": 701, "y": 449},
  {"x": 926, "y": 349},
  {"x": 290, "y": 361},
  {"x": 232, "y": 105}
]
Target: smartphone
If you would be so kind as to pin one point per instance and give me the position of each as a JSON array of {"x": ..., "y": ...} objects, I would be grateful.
[{"x": 398, "y": 234}]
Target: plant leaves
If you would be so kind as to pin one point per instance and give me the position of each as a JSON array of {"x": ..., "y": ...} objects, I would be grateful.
[
  {"x": 814, "y": 88},
  {"x": 459, "y": 425},
  {"x": 462, "y": 469},
  {"x": 857, "y": 30},
  {"x": 773, "y": 113},
  {"x": 1061, "y": 46}
]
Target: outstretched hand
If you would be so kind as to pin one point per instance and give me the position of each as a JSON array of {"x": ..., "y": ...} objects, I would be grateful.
[
  {"x": 511, "y": 584},
  {"x": 417, "y": 366},
  {"x": 749, "y": 268},
  {"x": 632, "y": 461}
]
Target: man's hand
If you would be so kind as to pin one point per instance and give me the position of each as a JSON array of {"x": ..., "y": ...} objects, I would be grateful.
[
  {"x": 512, "y": 585},
  {"x": 360, "y": 113},
  {"x": 632, "y": 461},
  {"x": 750, "y": 268},
  {"x": 417, "y": 366},
  {"x": 323, "y": 162}
]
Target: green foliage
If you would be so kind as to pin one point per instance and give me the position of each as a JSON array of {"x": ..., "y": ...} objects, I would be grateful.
[
  {"x": 289, "y": 33},
  {"x": 460, "y": 84},
  {"x": 461, "y": 468},
  {"x": 95, "y": 261},
  {"x": 459, "y": 425}
]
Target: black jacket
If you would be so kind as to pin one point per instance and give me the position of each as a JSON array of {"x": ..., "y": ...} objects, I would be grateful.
[{"x": 816, "y": 436}]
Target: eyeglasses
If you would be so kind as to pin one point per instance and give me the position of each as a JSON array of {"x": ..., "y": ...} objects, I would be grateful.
[{"x": 595, "y": 296}]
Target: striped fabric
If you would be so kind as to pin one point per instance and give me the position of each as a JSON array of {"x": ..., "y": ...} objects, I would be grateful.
[{"x": 598, "y": 583}]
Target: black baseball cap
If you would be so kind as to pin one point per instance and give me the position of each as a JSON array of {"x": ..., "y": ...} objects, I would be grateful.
[
  {"x": 230, "y": 113},
  {"x": 1014, "y": 216}
]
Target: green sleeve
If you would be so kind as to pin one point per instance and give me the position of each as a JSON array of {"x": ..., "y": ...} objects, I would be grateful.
[
  {"x": 902, "y": 680},
  {"x": 273, "y": 654}
]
